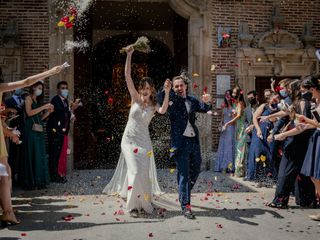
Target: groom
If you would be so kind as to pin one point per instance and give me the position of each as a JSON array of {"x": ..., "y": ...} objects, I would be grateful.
[{"x": 185, "y": 146}]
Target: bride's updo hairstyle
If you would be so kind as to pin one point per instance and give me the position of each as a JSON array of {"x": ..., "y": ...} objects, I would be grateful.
[{"x": 142, "y": 84}]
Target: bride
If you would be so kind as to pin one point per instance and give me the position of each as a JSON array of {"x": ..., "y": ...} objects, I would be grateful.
[{"x": 135, "y": 177}]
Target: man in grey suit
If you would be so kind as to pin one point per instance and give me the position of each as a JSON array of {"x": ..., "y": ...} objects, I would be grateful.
[{"x": 252, "y": 98}]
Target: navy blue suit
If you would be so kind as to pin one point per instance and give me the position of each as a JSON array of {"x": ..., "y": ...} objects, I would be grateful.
[
  {"x": 184, "y": 150},
  {"x": 57, "y": 127}
]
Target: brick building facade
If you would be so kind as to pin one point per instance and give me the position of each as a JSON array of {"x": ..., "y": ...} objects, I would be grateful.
[{"x": 37, "y": 35}]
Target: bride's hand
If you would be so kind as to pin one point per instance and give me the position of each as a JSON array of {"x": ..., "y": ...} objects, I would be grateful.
[{"x": 129, "y": 49}]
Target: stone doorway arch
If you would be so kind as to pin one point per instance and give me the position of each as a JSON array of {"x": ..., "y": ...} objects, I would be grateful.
[{"x": 197, "y": 13}]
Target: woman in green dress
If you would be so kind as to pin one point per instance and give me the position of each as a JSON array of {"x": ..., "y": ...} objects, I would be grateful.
[
  {"x": 240, "y": 135},
  {"x": 35, "y": 174}
]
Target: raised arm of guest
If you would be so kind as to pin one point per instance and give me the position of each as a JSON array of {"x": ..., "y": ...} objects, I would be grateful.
[
  {"x": 255, "y": 117},
  {"x": 7, "y": 87},
  {"x": 279, "y": 114},
  {"x": 239, "y": 112}
]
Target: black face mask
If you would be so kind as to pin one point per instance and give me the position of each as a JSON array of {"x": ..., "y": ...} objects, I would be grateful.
[
  {"x": 253, "y": 101},
  {"x": 307, "y": 96}
]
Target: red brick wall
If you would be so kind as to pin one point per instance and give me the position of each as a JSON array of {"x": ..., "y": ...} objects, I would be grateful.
[
  {"x": 33, "y": 26},
  {"x": 228, "y": 13}
]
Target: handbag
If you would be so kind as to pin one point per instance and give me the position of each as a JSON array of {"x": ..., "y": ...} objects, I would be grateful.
[{"x": 36, "y": 126}]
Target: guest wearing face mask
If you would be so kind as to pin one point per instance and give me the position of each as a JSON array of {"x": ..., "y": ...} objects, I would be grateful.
[
  {"x": 34, "y": 165},
  {"x": 57, "y": 130},
  {"x": 17, "y": 122},
  {"x": 252, "y": 98}
]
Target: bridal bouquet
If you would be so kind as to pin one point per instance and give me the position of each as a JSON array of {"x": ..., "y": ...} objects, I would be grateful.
[{"x": 141, "y": 45}]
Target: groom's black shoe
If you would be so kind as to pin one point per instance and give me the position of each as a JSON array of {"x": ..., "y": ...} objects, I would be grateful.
[{"x": 187, "y": 213}]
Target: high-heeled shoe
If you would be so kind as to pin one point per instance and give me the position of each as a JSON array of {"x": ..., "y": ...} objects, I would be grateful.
[{"x": 7, "y": 221}]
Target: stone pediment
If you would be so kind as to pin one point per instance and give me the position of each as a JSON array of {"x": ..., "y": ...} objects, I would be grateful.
[{"x": 279, "y": 39}]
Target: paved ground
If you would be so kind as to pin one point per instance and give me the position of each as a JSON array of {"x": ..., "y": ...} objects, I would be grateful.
[{"x": 226, "y": 208}]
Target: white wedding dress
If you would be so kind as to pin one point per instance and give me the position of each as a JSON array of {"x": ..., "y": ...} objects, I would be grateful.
[{"x": 135, "y": 177}]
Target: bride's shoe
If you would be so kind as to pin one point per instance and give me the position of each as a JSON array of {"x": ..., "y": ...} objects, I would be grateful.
[
  {"x": 9, "y": 219},
  {"x": 134, "y": 213}
]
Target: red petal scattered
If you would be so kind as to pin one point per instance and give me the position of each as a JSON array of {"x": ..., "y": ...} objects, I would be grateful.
[
  {"x": 65, "y": 19},
  {"x": 110, "y": 100},
  {"x": 119, "y": 212},
  {"x": 118, "y": 219},
  {"x": 69, "y": 25},
  {"x": 23, "y": 234},
  {"x": 195, "y": 85},
  {"x": 129, "y": 188},
  {"x": 68, "y": 218},
  {"x": 73, "y": 11},
  {"x": 269, "y": 174},
  {"x": 150, "y": 235},
  {"x": 188, "y": 206},
  {"x": 219, "y": 226},
  {"x": 205, "y": 90},
  {"x": 135, "y": 150},
  {"x": 299, "y": 178},
  {"x": 206, "y": 198}
]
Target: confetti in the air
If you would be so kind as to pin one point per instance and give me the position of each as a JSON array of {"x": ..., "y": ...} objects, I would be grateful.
[{"x": 81, "y": 46}]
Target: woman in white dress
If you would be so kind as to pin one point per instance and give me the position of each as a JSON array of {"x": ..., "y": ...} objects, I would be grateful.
[{"x": 135, "y": 177}]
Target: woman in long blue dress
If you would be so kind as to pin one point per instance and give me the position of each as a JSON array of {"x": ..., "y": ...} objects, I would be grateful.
[
  {"x": 226, "y": 148},
  {"x": 240, "y": 134},
  {"x": 260, "y": 156}
]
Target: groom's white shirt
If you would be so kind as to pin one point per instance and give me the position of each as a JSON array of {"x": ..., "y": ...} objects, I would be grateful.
[{"x": 189, "y": 131}]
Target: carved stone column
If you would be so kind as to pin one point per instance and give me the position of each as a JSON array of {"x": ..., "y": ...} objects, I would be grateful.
[{"x": 10, "y": 53}]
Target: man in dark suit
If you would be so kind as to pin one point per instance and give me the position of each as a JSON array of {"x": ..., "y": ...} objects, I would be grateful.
[
  {"x": 252, "y": 98},
  {"x": 15, "y": 150},
  {"x": 185, "y": 145},
  {"x": 57, "y": 130}
]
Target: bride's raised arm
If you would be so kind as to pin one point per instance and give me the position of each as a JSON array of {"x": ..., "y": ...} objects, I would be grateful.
[
  {"x": 162, "y": 109},
  {"x": 132, "y": 90}
]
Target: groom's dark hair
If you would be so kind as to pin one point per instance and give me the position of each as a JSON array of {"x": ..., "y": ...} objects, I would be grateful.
[{"x": 179, "y": 78}]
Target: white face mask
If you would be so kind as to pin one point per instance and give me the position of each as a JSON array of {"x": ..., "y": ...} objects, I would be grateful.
[
  {"x": 38, "y": 92},
  {"x": 64, "y": 93}
]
